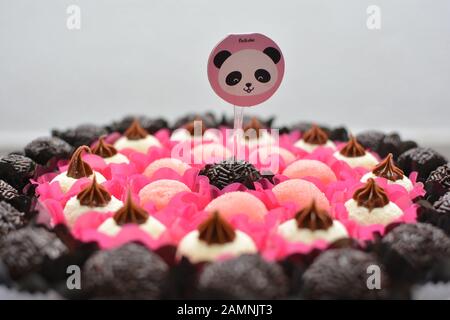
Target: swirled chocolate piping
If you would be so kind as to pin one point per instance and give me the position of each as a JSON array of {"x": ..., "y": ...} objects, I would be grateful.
[
  {"x": 77, "y": 167},
  {"x": 104, "y": 149},
  {"x": 216, "y": 230},
  {"x": 387, "y": 169},
  {"x": 315, "y": 135},
  {"x": 313, "y": 218},
  {"x": 353, "y": 149},
  {"x": 135, "y": 131},
  {"x": 130, "y": 213},
  {"x": 371, "y": 196},
  {"x": 95, "y": 195}
]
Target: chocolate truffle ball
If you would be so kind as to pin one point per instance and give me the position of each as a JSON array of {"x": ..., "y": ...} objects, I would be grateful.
[
  {"x": 44, "y": 149},
  {"x": 420, "y": 244},
  {"x": 443, "y": 204},
  {"x": 84, "y": 134},
  {"x": 343, "y": 274},
  {"x": 438, "y": 182},
  {"x": 10, "y": 219},
  {"x": 24, "y": 250},
  {"x": 17, "y": 170},
  {"x": 227, "y": 172},
  {"x": 370, "y": 139},
  {"x": 10, "y": 195},
  {"x": 245, "y": 277},
  {"x": 422, "y": 160},
  {"x": 128, "y": 272}
]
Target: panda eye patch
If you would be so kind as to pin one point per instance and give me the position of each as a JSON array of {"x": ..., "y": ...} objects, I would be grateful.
[
  {"x": 262, "y": 75},
  {"x": 233, "y": 78}
]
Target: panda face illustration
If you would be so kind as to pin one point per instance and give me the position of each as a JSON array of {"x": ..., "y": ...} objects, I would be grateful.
[
  {"x": 247, "y": 72},
  {"x": 245, "y": 69}
]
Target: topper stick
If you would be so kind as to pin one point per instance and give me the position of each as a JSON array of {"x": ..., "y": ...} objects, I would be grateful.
[{"x": 238, "y": 121}]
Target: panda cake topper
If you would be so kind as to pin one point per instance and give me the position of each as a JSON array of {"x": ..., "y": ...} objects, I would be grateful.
[{"x": 246, "y": 69}]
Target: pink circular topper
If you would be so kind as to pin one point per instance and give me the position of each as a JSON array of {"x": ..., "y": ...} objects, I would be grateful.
[{"x": 246, "y": 69}]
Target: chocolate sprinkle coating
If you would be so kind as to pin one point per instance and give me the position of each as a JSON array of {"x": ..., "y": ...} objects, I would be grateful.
[
  {"x": 244, "y": 277},
  {"x": 438, "y": 182},
  {"x": 128, "y": 272},
  {"x": 391, "y": 143},
  {"x": 84, "y": 134},
  {"x": 10, "y": 195},
  {"x": 339, "y": 134},
  {"x": 10, "y": 219},
  {"x": 342, "y": 274},
  {"x": 44, "y": 149},
  {"x": 371, "y": 139},
  {"x": 16, "y": 170},
  {"x": 421, "y": 244},
  {"x": 227, "y": 172},
  {"x": 443, "y": 204},
  {"x": 25, "y": 250},
  {"x": 427, "y": 213},
  {"x": 422, "y": 160}
]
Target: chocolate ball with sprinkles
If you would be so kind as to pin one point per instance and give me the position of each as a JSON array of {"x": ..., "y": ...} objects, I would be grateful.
[
  {"x": 438, "y": 182},
  {"x": 84, "y": 134},
  {"x": 422, "y": 160},
  {"x": 245, "y": 277},
  {"x": 227, "y": 172},
  {"x": 17, "y": 170},
  {"x": 342, "y": 274},
  {"x": 10, "y": 195},
  {"x": 42, "y": 150},
  {"x": 10, "y": 219},
  {"x": 127, "y": 272},
  {"x": 420, "y": 244},
  {"x": 25, "y": 250}
]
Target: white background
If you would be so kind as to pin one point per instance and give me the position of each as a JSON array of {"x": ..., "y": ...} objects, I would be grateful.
[{"x": 143, "y": 56}]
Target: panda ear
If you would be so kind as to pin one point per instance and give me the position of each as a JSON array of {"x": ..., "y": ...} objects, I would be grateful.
[
  {"x": 273, "y": 54},
  {"x": 220, "y": 58}
]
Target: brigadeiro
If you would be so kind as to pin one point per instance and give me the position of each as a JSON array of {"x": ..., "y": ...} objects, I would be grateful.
[
  {"x": 427, "y": 213},
  {"x": 343, "y": 274},
  {"x": 227, "y": 172},
  {"x": 422, "y": 160},
  {"x": 24, "y": 250},
  {"x": 128, "y": 272},
  {"x": 17, "y": 170},
  {"x": 84, "y": 134},
  {"x": 370, "y": 139},
  {"x": 10, "y": 219},
  {"x": 438, "y": 182},
  {"x": 420, "y": 244},
  {"x": 245, "y": 277},
  {"x": 10, "y": 195},
  {"x": 44, "y": 149}
]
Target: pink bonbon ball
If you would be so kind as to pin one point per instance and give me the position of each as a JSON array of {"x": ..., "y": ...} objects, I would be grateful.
[
  {"x": 238, "y": 202},
  {"x": 301, "y": 193},
  {"x": 310, "y": 168},
  {"x": 160, "y": 192},
  {"x": 172, "y": 163}
]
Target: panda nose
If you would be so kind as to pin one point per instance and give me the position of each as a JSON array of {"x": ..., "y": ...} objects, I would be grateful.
[{"x": 248, "y": 84}]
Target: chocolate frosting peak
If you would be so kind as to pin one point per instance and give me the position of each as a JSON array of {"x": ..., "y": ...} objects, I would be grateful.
[
  {"x": 104, "y": 149},
  {"x": 371, "y": 196},
  {"x": 387, "y": 169},
  {"x": 315, "y": 135},
  {"x": 95, "y": 195},
  {"x": 254, "y": 124},
  {"x": 135, "y": 131},
  {"x": 353, "y": 149},
  {"x": 190, "y": 126},
  {"x": 313, "y": 218},
  {"x": 77, "y": 167},
  {"x": 216, "y": 230},
  {"x": 130, "y": 213}
]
